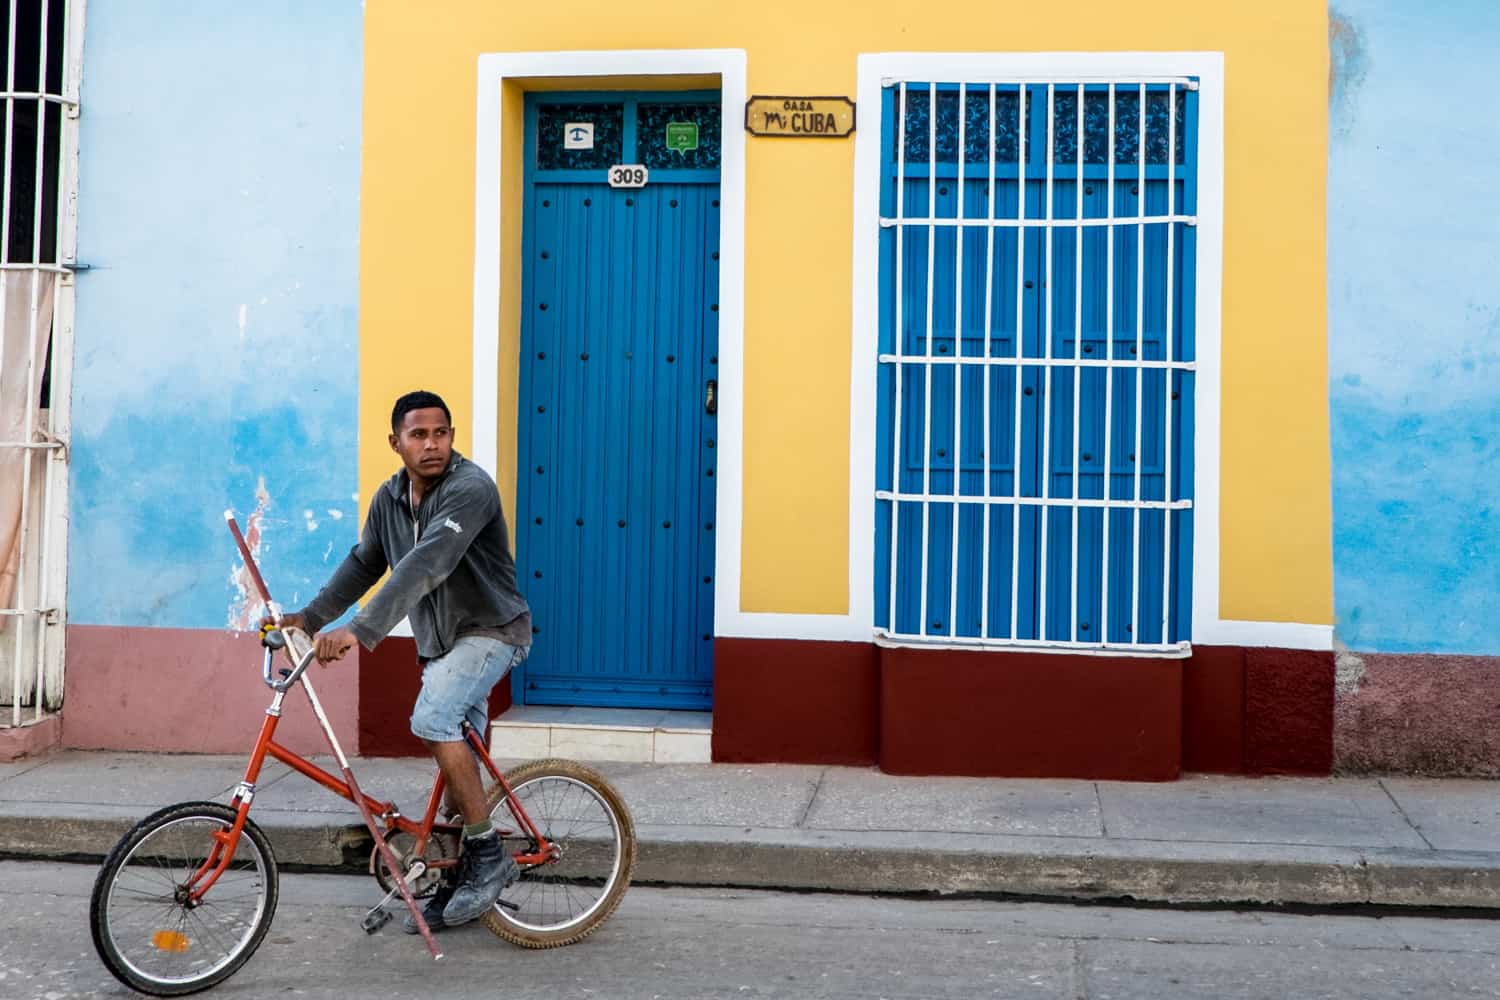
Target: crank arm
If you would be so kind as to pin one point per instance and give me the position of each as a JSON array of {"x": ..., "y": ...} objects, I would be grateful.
[{"x": 377, "y": 916}]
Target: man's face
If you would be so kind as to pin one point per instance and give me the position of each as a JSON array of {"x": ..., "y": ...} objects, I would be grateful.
[{"x": 425, "y": 442}]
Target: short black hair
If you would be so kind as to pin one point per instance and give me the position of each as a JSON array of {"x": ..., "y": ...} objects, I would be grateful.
[{"x": 419, "y": 400}]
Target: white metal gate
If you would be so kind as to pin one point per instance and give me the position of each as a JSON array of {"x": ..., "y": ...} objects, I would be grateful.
[
  {"x": 43, "y": 46},
  {"x": 1036, "y": 364}
]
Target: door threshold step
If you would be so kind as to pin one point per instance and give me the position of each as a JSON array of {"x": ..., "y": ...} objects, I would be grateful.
[{"x": 651, "y": 736}]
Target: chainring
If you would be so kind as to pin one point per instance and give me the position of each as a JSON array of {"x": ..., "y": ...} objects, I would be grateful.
[{"x": 440, "y": 847}]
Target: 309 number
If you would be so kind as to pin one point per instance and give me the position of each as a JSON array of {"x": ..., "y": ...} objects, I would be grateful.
[{"x": 628, "y": 175}]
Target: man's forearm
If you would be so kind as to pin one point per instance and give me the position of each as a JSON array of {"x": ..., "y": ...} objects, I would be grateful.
[
  {"x": 408, "y": 584},
  {"x": 348, "y": 584}
]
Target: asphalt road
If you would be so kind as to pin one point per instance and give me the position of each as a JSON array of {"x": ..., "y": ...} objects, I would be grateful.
[{"x": 697, "y": 943}]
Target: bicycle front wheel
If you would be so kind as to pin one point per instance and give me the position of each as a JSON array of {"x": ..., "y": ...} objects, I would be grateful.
[
  {"x": 583, "y": 818},
  {"x": 149, "y": 934}
]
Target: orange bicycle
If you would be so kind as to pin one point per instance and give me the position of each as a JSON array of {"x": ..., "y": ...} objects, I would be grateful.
[{"x": 186, "y": 897}]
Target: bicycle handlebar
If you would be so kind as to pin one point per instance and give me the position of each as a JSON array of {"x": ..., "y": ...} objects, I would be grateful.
[{"x": 285, "y": 683}]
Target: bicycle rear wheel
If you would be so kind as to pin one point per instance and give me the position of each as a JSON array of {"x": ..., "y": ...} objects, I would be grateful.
[
  {"x": 566, "y": 899},
  {"x": 149, "y": 935}
]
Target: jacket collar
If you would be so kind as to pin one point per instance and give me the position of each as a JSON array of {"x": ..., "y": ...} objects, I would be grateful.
[{"x": 399, "y": 485}]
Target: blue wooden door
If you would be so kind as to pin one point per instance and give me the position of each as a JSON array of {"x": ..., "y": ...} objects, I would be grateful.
[{"x": 619, "y": 341}]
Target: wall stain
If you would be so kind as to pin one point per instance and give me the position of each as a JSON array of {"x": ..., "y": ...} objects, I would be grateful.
[
  {"x": 1349, "y": 671},
  {"x": 1348, "y": 63}
]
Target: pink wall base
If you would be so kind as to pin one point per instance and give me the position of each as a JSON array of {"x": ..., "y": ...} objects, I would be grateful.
[
  {"x": 191, "y": 691},
  {"x": 1418, "y": 714},
  {"x": 28, "y": 741}
]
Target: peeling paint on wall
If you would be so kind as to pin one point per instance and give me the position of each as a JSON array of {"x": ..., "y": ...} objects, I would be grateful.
[
  {"x": 1349, "y": 671},
  {"x": 245, "y": 611}
]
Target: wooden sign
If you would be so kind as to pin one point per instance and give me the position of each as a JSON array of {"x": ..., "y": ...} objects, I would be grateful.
[{"x": 800, "y": 117}]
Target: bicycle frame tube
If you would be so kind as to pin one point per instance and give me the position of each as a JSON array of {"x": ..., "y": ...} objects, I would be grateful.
[
  {"x": 543, "y": 852},
  {"x": 265, "y": 745}
]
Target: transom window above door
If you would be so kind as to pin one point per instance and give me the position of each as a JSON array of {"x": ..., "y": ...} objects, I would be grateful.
[{"x": 668, "y": 132}]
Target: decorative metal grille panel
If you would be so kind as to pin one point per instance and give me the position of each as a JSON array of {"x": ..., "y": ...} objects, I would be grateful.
[
  {"x": 609, "y": 136},
  {"x": 976, "y": 125},
  {"x": 651, "y": 136},
  {"x": 1127, "y": 126},
  {"x": 918, "y": 127}
]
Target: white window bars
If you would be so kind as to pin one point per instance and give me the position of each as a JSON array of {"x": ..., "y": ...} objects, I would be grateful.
[
  {"x": 1050, "y": 224},
  {"x": 43, "y": 55}
]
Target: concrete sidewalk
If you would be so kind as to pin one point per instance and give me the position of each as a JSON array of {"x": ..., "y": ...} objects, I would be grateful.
[{"x": 1389, "y": 841}]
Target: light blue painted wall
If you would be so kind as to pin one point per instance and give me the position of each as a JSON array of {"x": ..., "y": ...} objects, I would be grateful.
[
  {"x": 1414, "y": 325},
  {"x": 217, "y": 342}
]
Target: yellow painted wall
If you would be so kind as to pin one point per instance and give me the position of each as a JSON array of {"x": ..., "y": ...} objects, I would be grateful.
[{"x": 417, "y": 240}]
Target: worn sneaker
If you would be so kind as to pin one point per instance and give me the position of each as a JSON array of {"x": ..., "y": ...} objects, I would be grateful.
[
  {"x": 432, "y": 912},
  {"x": 484, "y": 870}
]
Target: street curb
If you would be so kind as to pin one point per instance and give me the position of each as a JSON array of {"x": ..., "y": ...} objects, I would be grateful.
[
  {"x": 1070, "y": 868},
  {"x": 860, "y": 861},
  {"x": 71, "y": 830}
]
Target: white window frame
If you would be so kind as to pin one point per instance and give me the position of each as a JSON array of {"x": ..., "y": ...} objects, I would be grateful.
[
  {"x": 1208, "y": 627},
  {"x": 36, "y": 669}
]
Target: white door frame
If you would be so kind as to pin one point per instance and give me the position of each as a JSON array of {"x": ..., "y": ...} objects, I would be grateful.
[{"x": 495, "y": 69}]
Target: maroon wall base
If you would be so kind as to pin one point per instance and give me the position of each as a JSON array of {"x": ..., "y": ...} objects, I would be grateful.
[
  {"x": 1017, "y": 714},
  {"x": 1257, "y": 711},
  {"x": 1213, "y": 710},
  {"x": 389, "y": 679},
  {"x": 795, "y": 701},
  {"x": 1029, "y": 715},
  {"x": 1288, "y": 711}
]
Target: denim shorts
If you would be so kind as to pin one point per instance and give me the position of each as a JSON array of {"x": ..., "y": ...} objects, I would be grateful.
[{"x": 456, "y": 686}]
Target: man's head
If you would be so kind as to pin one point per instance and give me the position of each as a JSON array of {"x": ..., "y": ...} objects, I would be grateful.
[{"x": 422, "y": 434}]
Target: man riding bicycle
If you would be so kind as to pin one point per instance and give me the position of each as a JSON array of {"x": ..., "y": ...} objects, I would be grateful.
[{"x": 437, "y": 524}]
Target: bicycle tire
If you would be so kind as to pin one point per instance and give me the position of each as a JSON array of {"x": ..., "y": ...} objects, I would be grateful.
[
  {"x": 566, "y": 900},
  {"x": 145, "y": 935}
]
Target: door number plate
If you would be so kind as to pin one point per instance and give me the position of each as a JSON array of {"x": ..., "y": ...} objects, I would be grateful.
[{"x": 628, "y": 175}]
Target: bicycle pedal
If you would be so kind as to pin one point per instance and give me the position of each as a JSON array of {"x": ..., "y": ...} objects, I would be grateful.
[{"x": 375, "y": 919}]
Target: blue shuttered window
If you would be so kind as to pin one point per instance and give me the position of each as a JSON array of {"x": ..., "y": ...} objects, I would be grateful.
[{"x": 1034, "y": 473}]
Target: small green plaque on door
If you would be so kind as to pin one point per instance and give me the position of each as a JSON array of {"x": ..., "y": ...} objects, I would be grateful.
[{"x": 682, "y": 137}]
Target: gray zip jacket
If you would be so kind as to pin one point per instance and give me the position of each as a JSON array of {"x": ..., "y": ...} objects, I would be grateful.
[{"x": 451, "y": 567}]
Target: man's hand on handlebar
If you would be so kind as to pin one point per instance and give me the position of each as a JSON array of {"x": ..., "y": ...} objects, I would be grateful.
[
  {"x": 329, "y": 646},
  {"x": 287, "y": 621}
]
